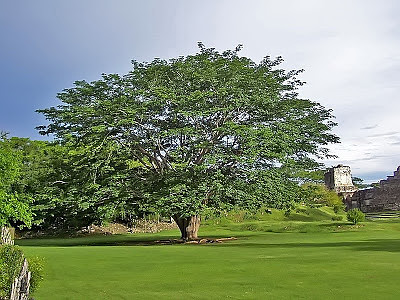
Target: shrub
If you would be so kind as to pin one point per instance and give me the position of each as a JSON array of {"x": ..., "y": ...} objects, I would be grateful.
[
  {"x": 355, "y": 216},
  {"x": 35, "y": 265},
  {"x": 337, "y": 218},
  {"x": 337, "y": 208},
  {"x": 11, "y": 259}
]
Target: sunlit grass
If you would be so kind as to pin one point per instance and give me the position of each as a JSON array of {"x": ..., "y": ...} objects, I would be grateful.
[{"x": 275, "y": 259}]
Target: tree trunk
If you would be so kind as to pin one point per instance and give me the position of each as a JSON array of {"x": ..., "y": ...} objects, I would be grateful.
[{"x": 189, "y": 226}]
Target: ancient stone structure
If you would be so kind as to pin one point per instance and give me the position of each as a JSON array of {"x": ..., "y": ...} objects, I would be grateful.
[
  {"x": 384, "y": 197},
  {"x": 20, "y": 286},
  {"x": 6, "y": 236},
  {"x": 339, "y": 179}
]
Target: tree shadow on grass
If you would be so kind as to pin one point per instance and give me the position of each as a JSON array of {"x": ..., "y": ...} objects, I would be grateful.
[
  {"x": 244, "y": 241},
  {"x": 388, "y": 245},
  {"x": 94, "y": 240},
  {"x": 112, "y": 240}
]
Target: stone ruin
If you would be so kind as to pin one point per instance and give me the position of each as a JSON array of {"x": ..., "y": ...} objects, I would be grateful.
[
  {"x": 21, "y": 284},
  {"x": 6, "y": 236},
  {"x": 339, "y": 179},
  {"x": 384, "y": 197}
]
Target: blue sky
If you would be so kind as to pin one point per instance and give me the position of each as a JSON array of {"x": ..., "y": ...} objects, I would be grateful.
[{"x": 350, "y": 51}]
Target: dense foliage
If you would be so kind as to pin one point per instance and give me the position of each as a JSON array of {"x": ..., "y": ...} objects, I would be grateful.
[
  {"x": 44, "y": 168},
  {"x": 14, "y": 206},
  {"x": 318, "y": 194},
  {"x": 66, "y": 181},
  {"x": 206, "y": 131}
]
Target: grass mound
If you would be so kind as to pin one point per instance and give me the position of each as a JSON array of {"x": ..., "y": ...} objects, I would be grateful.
[{"x": 302, "y": 219}]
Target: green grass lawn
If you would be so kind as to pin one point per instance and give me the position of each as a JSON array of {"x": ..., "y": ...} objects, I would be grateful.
[{"x": 275, "y": 259}]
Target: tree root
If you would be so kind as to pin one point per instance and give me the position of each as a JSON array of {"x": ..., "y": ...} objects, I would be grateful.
[{"x": 197, "y": 241}]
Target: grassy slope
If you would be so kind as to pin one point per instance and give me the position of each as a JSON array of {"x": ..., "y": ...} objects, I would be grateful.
[{"x": 308, "y": 260}]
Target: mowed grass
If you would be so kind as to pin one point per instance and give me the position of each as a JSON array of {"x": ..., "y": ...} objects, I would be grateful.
[{"x": 276, "y": 259}]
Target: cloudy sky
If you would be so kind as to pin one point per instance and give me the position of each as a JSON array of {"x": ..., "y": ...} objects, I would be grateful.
[{"x": 350, "y": 51}]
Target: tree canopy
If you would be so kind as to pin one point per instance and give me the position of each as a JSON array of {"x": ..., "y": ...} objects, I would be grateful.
[{"x": 206, "y": 131}]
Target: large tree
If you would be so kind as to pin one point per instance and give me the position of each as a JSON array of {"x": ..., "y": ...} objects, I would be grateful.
[{"x": 206, "y": 131}]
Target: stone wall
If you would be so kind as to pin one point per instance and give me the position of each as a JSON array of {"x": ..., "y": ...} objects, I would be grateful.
[
  {"x": 6, "y": 236},
  {"x": 20, "y": 286},
  {"x": 384, "y": 197}
]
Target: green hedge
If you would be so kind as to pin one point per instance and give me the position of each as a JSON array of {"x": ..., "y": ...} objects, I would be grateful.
[
  {"x": 11, "y": 260},
  {"x": 35, "y": 265}
]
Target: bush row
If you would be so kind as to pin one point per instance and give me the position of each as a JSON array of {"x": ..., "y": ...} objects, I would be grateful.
[{"x": 11, "y": 260}]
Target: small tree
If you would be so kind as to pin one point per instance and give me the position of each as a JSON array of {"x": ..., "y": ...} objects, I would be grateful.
[
  {"x": 355, "y": 216},
  {"x": 198, "y": 132}
]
